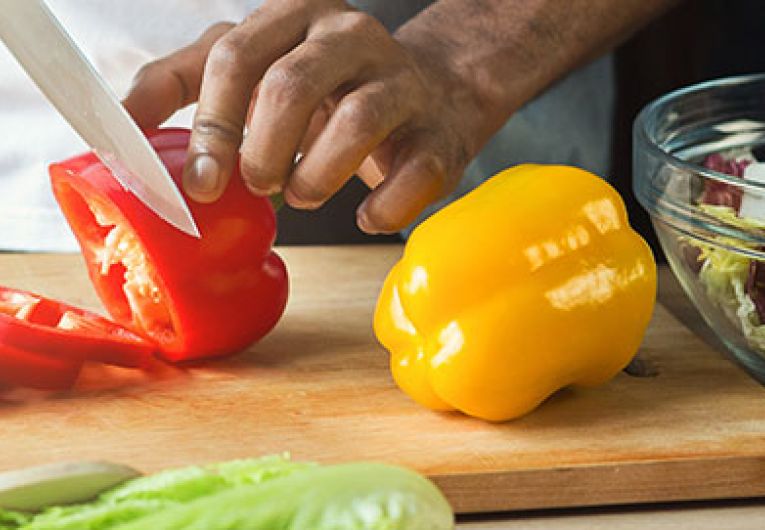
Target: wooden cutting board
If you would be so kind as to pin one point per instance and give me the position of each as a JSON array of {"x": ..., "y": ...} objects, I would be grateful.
[{"x": 319, "y": 387}]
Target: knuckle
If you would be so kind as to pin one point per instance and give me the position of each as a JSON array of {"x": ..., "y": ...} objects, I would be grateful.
[
  {"x": 285, "y": 84},
  {"x": 360, "y": 116},
  {"x": 360, "y": 23},
  {"x": 212, "y": 126},
  {"x": 228, "y": 54},
  {"x": 259, "y": 12},
  {"x": 352, "y": 108}
]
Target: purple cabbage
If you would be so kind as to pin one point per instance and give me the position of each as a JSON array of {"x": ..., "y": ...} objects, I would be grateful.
[
  {"x": 722, "y": 194},
  {"x": 719, "y": 193}
]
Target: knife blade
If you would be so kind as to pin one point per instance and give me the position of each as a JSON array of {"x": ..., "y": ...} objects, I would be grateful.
[
  {"x": 66, "y": 77},
  {"x": 35, "y": 488}
]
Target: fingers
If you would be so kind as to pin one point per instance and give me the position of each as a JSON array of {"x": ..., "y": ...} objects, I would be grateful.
[
  {"x": 317, "y": 78},
  {"x": 419, "y": 177},
  {"x": 291, "y": 93},
  {"x": 317, "y": 124},
  {"x": 166, "y": 85},
  {"x": 360, "y": 123},
  {"x": 234, "y": 67}
]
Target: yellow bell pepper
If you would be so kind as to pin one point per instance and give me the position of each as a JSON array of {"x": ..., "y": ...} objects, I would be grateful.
[{"x": 532, "y": 282}]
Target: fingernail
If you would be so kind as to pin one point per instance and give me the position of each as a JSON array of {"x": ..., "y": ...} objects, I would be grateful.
[
  {"x": 204, "y": 174},
  {"x": 363, "y": 223}
]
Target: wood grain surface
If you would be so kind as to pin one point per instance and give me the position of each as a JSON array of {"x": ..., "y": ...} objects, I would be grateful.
[
  {"x": 735, "y": 516},
  {"x": 319, "y": 387}
]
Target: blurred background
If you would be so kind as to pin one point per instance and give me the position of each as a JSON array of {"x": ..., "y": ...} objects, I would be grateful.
[{"x": 698, "y": 40}]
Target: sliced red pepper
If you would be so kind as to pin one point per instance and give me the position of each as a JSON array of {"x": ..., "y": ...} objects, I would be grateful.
[
  {"x": 43, "y": 372},
  {"x": 194, "y": 298},
  {"x": 188, "y": 298},
  {"x": 48, "y": 328}
]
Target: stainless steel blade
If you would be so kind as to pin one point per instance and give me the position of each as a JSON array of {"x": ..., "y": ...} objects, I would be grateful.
[
  {"x": 66, "y": 77},
  {"x": 35, "y": 488}
]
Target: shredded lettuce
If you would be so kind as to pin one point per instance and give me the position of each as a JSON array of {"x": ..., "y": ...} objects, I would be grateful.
[
  {"x": 729, "y": 215},
  {"x": 724, "y": 274}
]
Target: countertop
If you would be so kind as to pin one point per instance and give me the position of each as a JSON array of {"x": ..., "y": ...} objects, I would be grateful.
[{"x": 730, "y": 515}]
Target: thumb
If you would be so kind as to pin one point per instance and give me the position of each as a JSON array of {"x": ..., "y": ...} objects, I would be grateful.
[{"x": 162, "y": 87}]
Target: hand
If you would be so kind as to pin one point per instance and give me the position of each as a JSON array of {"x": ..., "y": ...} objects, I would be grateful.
[{"x": 318, "y": 78}]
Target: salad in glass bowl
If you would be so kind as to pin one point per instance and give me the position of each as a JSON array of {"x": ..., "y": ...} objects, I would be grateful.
[
  {"x": 699, "y": 170},
  {"x": 735, "y": 281}
]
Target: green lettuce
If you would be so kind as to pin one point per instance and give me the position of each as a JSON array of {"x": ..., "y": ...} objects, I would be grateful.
[
  {"x": 343, "y": 497},
  {"x": 269, "y": 493},
  {"x": 729, "y": 215},
  {"x": 724, "y": 274},
  {"x": 11, "y": 520}
]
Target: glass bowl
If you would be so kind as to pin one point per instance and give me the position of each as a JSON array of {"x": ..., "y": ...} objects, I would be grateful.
[{"x": 692, "y": 148}]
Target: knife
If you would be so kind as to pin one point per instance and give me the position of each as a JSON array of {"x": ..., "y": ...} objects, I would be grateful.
[
  {"x": 33, "y": 489},
  {"x": 45, "y": 50}
]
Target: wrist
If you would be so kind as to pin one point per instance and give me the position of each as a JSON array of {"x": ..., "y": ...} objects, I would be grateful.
[
  {"x": 473, "y": 110},
  {"x": 484, "y": 96}
]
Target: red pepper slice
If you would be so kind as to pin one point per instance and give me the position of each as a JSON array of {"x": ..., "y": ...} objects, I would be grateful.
[
  {"x": 194, "y": 298},
  {"x": 184, "y": 297},
  {"x": 45, "y": 327},
  {"x": 43, "y": 372}
]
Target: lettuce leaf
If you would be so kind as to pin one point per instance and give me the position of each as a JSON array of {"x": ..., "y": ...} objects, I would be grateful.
[
  {"x": 267, "y": 493},
  {"x": 725, "y": 274},
  {"x": 729, "y": 216},
  {"x": 343, "y": 497},
  {"x": 12, "y": 520}
]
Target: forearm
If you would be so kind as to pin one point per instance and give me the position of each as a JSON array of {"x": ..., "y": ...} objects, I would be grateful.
[{"x": 508, "y": 51}]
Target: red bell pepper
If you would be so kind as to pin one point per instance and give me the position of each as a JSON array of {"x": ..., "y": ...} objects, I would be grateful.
[
  {"x": 66, "y": 334},
  {"x": 193, "y": 298},
  {"x": 24, "y": 368},
  {"x": 186, "y": 298}
]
